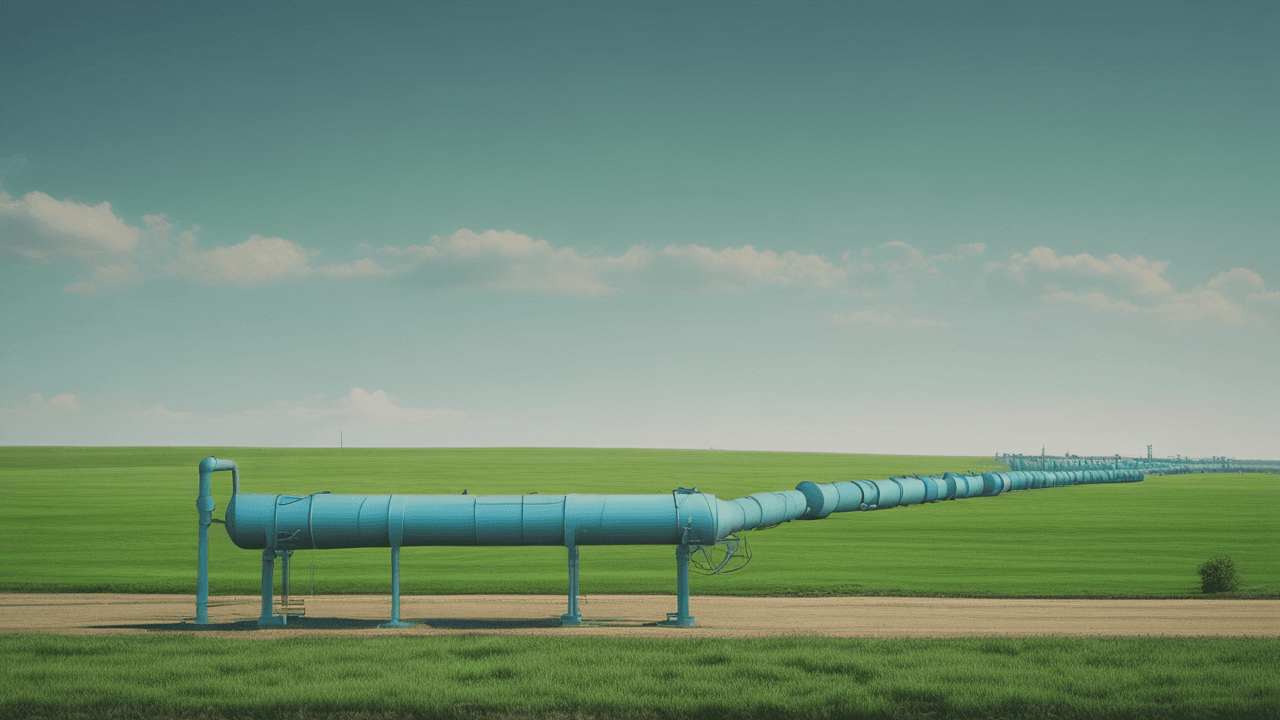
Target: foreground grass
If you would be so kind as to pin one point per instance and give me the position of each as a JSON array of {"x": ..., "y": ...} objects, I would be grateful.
[
  {"x": 487, "y": 676},
  {"x": 123, "y": 520}
]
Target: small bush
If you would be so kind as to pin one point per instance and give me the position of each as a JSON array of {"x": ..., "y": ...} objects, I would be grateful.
[{"x": 1218, "y": 574}]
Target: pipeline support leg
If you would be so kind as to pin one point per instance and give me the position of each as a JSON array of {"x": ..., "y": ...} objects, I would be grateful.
[
  {"x": 284, "y": 575},
  {"x": 268, "y": 617},
  {"x": 574, "y": 616},
  {"x": 284, "y": 585},
  {"x": 202, "y": 575},
  {"x": 681, "y": 616},
  {"x": 395, "y": 621}
]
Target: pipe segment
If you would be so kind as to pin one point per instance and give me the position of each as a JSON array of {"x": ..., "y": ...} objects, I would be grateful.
[
  {"x": 327, "y": 521},
  {"x": 824, "y": 499},
  {"x": 324, "y": 521}
]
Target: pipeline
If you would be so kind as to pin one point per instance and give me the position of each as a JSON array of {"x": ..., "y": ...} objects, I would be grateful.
[
  {"x": 684, "y": 517},
  {"x": 1151, "y": 466},
  {"x": 691, "y": 520}
]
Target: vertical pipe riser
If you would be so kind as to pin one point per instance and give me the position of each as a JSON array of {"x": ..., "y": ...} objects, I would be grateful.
[{"x": 204, "y": 508}]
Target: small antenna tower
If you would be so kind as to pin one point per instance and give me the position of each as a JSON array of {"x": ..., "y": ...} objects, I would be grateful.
[{"x": 340, "y": 439}]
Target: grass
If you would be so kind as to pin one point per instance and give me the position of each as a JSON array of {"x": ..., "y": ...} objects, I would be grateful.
[
  {"x": 481, "y": 676},
  {"x": 124, "y": 520}
]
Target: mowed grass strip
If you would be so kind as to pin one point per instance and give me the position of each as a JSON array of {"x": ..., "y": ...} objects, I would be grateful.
[
  {"x": 124, "y": 520},
  {"x": 467, "y": 676}
]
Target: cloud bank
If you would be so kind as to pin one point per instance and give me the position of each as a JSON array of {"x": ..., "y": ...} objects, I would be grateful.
[
  {"x": 1137, "y": 286},
  {"x": 116, "y": 253},
  {"x": 882, "y": 282}
]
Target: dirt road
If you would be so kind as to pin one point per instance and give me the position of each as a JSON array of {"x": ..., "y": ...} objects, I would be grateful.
[{"x": 631, "y": 615}]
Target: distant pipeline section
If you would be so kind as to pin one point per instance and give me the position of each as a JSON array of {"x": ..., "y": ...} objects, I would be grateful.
[
  {"x": 1148, "y": 466},
  {"x": 684, "y": 517},
  {"x": 814, "y": 501}
]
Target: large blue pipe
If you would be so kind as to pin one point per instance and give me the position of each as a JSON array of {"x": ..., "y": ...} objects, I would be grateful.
[
  {"x": 325, "y": 521},
  {"x": 280, "y": 524},
  {"x": 288, "y": 522}
]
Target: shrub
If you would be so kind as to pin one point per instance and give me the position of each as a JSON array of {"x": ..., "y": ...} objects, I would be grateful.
[{"x": 1218, "y": 574}]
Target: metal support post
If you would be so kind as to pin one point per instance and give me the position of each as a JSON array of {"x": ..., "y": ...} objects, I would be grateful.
[
  {"x": 285, "y": 555},
  {"x": 574, "y": 616},
  {"x": 268, "y": 616},
  {"x": 681, "y": 616},
  {"x": 395, "y": 621},
  {"x": 202, "y": 568}
]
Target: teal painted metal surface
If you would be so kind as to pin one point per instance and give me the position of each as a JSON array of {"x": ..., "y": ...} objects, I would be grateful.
[
  {"x": 573, "y": 616},
  {"x": 686, "y": 518},
  {"x": 205, "y": 507}
]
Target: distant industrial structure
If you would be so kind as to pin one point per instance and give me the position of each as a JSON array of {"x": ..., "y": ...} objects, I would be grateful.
[{"x": 1150, "y": 465}]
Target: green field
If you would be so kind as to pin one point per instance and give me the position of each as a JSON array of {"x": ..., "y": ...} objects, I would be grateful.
[
  {"x": 478, "y": 676},
  {"x": 124, "y": 520}
]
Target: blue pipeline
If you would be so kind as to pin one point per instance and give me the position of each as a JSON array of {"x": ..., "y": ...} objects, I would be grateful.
[
  {"x": 281, "y": 524},
  {"x": 325, "y": 521}
]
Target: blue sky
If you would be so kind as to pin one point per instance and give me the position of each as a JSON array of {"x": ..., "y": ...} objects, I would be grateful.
[{"x": 849, "y": 227}]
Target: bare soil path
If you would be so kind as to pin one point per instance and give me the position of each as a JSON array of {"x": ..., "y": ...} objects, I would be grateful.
[{"x": 633, "y": 615}]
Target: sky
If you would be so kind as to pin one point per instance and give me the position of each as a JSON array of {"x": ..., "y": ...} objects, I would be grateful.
[{"x": 862, "y": 227}]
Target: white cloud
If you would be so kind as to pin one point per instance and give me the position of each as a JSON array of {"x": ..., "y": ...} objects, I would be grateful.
[
  {"x": 1199, "y": 304},
  {"x": 744, "y": 268},
  {"x": 255, "y": 261},
  {"x": 1237, "y": 279},
  {"x": 58, "y": 404},
  {"x": 1136, "y": 274},
  {"x": 1135, "y": 286},
  {"x": 511, "y": 262},
  {"x": 905, "y": 259},
  {"x": 40, "y": 227},
  {"x": 117, "y": 254},
  {"x": 379, "y": 409},
  {"x": 908, "y": 258}
]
